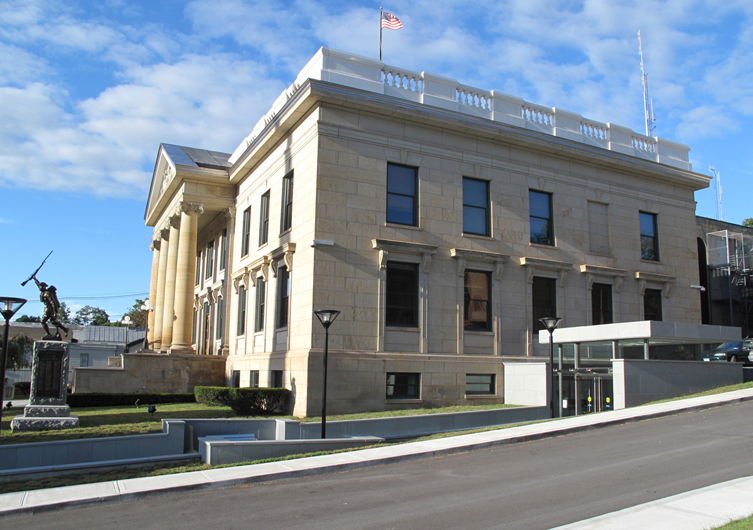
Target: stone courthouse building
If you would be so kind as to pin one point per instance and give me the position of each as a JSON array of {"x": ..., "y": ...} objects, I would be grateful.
[{"x": 441, "y": 220}]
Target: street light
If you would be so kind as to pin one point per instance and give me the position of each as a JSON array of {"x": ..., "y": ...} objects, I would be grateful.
[
  {"x": 551, "y": 323},
  {"x": 326, "y": 317},
  {"x": 147, "y": 306},
  {"x": 127, "y": 322},
  {"x": 8, "y": 306}
]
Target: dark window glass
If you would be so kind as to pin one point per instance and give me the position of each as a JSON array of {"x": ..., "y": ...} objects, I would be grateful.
[
  {"x": 219, "y": 334},
  {"x": 246, "y": 231},
  {"x": 241, "y": 310},
  {"x": 197, "y": 276},
  {"x": 652, "y": 305},
  {"x": 254, "y": 379},
  {"x": 479, "y": 384},
  {"x": 84, "y": 359},
  {"x": 209, "y": 267},
  {"x": 477, "y": 304},
  {"x": 206, "y": 332},
  {"x": 403, "y": 386},
  {"x": 476, "y": 207},
  {"x": 223, "y": 250},
  {"x": 276, "y": 381},
  {"x": 264, "y": 219},
  {"x": 542, "y": 229},
  {"x": 283, "y": 296},
  {"x": 401, "y": 195},
  {"x": 649, "y": 237},
  {"x": 193, "y": 327},
  {"x": 601, "y": 303},
  {"x": 287, "y": 203},
  {"x": 544, "y": 300},
  {"x": 260, "y": 298},
  {"x": 236, "y": 382},
  {"x": 401, "y": 307}
]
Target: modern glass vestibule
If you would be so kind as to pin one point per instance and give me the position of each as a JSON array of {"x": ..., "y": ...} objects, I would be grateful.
[{"x": 584, "y": 359}]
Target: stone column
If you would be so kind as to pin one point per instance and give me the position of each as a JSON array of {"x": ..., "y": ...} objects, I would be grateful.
[
  {"x": 153, "y": 291},
  {"x": 168, "y": 311},
  {"x": 159, "y": 301},
  {"x": 184, "y": 281}
]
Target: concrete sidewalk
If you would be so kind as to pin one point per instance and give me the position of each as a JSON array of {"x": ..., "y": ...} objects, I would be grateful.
[{"x": 132, "y": 489}]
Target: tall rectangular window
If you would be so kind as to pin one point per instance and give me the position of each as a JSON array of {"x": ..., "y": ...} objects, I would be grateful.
[
  {"x": 209, "y": 266},
  {"x": 649, "y": 237},
  {"x": 241, "y": 310},
  {"x": 401, "y": 307},
  {"x": 403, "y": 386},
  {"x": 477, "y": 303},
  {"x": 246, "y": 231},
  {"x": 652, "y": 309},
  {"x": 264, "y": 219},
  {"x": 402, "y": 182},
  {"x": 476, "y": 207},
  {"x": 601, "y": 303},
  {"x": 260, "y": 298},
  {"x": 84, "y": 360},
  {"x": 197, "y": 276},
  {"x": 220, "y": 329},
  {"x": 235, "y": 381},
  {"x": 287, "y": 203},
  {"x": 276, "y": 379},
  {"x": 542, "y": 226},
  {"x": 598, "y": 228},
  {"x": 283, "y": 296},
  {"x": 544, "y": 300},
  {"x": 254, "y": 379},
  {"x": 223, "y": 250}
]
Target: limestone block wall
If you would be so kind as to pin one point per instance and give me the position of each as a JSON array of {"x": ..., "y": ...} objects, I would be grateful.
[{"x": 147, "y": 372}]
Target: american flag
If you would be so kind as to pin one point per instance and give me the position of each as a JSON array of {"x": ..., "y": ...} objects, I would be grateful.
[{"x": 390, "y": 21}]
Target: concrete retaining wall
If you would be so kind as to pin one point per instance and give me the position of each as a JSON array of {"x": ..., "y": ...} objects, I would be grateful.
[
  {"x": 152, "y": 372},
  {"x": 525, "y": 384},
  {"x": 638, "y": 381}
]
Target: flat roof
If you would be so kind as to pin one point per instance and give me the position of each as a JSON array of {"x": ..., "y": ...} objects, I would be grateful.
[{"x": 645, "y": 329}]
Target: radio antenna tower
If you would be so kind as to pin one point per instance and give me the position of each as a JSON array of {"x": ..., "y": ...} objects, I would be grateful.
[
  {"x": 717, "y": 192},
  {"x": 648, "y": 103}
]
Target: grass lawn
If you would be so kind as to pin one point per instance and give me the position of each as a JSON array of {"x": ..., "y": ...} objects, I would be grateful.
[{"x": 740, "y": 524}]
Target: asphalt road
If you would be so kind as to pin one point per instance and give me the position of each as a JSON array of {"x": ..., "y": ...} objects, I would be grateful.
[{"x": 531, "y": 485}]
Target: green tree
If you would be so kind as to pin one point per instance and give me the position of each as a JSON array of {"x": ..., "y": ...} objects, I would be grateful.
[
  {"x": 138, "y": 315},
  {"x": 93, "y": 316},
  {"x": 27, "y": 318},
  {"x": 18, "y": 348},
  {"x": 748, "y": 222},
  {"x": 64, "y": 313}
]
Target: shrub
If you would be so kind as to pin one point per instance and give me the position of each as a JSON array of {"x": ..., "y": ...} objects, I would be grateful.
[
  {"x": 217, "y": 396},
  {"x": 115, "y": 400},
  {"x": 257, "y": 401}
]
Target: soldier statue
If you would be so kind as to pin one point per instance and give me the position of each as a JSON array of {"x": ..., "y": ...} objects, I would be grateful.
[{"x": 48, "y": 296}]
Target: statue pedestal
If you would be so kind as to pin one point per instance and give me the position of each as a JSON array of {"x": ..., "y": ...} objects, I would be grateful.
[{"x": 47, "y": 409}]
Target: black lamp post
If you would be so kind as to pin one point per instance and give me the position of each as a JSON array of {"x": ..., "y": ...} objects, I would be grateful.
[
  {"x": 8, "y": 308},
  {"x": 551, "y": 323},
  {"x": 326, "y": 317}
]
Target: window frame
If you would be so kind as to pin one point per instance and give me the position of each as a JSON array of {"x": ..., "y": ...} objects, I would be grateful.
[
  {"x": 223, "y": 250},
  {"x": 549, "y": 240},
  {"x": 536, "y": 309},
  {"x": 649, "y": 242},
  {"x": 467, "y": 300},
  {"x": 600, "y": 309},
  {"x": 416, "y": 385},
  {"x": 492, "y": 385},
  {"x": 264, "y": 219},
  {"x": 392, "y": 291},
  {"x": 283, "y": 297},
  {"x": 276, "y": 376},
  {"x": 83, "y": 360},
  {"x": 253, "y": 378},
  {"x": 246, "y": 232},
  {"x": 261, "y": 293},
  {"x": 646, "y": 299},
  {"x": 220, "y": 315},
  {"x": 286, "y": 203},
  {"x": 474, "y": 207},
  {"x": 209, "y": 261},
  {"x": 241, "y": 310},
  {"x": 197, "y": 275},
  {"x": 414, "y": 197}
]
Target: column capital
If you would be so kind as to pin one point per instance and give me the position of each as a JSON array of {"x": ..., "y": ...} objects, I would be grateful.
[
  {"x": 192, "y": 207},
  {"x": 154, "y": 245}
]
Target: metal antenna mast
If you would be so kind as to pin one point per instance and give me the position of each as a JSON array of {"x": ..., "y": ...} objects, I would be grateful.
[
  {"x": 717, "y": 192},
  {"x": 648, "y": 103}
]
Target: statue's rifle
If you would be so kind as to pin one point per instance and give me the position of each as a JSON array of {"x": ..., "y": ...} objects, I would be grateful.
[{"x": 36, "y": 271}]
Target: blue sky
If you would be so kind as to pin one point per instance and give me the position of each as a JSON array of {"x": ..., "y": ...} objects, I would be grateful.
[{"x": 88, "y": 90}]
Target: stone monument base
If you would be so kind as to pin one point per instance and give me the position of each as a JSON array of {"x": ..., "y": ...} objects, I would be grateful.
[{"x": 42, "y": 423}]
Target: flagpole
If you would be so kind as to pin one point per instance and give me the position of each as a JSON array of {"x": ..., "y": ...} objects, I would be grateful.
[{"x": 380, "y": 32}]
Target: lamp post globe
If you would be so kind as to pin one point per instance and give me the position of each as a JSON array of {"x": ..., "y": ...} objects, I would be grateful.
[
  {"x": 326, "y": 317},
  {"x": 8, "y": 307},
  {"x": 551, "y": 323}
]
